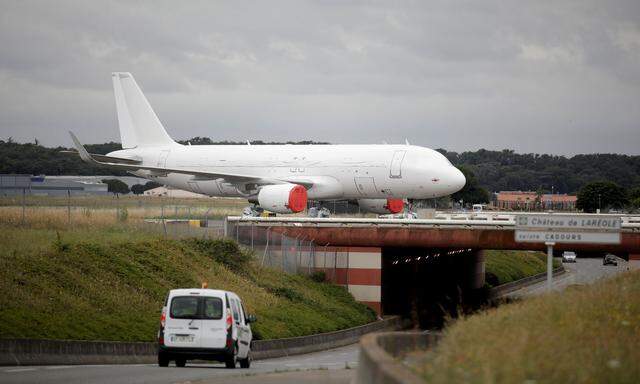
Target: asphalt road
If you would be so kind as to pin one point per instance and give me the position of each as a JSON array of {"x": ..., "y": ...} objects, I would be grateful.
[
  {"x": 583, "y": 271},
  {"x": 323, "y": 364}
]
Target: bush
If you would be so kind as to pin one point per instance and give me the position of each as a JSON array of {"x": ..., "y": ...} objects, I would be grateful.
[
  {"x": 223, "y": 251},
  {"x": 319, "y": 276}
]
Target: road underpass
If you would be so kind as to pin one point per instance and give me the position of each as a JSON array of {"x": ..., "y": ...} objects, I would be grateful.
[{"x": 425, "y": 270}]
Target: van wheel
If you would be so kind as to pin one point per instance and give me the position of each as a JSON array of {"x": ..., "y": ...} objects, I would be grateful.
[
  {"x": 181, "y": 362},
  {"x": 246, "y": 363},
  {"x": 231, "y": 360},
  {"x": 163, "y": 360}
]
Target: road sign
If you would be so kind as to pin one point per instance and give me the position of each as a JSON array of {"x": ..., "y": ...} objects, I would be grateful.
[
  {"x": 545, "y": 228},
  {"x": 569, "y": 222},
  {"x": 571, "y": 237},
  {"x": 551, "y": 229}
]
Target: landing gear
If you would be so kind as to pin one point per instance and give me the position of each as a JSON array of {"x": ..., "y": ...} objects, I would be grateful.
[
  {"x": 319, "y": 212},
  {"x": 252, "y": 211}
]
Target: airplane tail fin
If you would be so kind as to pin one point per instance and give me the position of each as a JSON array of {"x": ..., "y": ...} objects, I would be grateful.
[{"x": 139, "y": 125}]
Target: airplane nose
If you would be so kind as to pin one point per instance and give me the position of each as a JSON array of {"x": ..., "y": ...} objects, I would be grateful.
[{"x": 457, "y": 179}]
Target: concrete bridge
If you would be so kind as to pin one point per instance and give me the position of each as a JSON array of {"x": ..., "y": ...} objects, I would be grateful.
[{"x": 383, "y": 262}]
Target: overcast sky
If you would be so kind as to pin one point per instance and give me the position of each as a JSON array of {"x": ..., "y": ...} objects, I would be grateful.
[{"x": 559, "y": 77}]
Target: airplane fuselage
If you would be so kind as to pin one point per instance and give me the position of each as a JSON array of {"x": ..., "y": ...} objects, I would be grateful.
[{"x": 337, "y": 171}]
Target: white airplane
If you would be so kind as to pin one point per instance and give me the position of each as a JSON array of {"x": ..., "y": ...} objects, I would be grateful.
[{"x": 278, "y": 178}]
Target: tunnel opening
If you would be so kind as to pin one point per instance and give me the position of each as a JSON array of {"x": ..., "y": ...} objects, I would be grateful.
[{"x": 429, "y": 286}]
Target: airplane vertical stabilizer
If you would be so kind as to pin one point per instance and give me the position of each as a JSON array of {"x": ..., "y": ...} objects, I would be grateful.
[{"x": 139, "y": 125}]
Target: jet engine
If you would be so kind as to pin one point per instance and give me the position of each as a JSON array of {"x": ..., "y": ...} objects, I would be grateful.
[
  {"x": 381, "y": 206},
  {"x": 283, "y": 198}
]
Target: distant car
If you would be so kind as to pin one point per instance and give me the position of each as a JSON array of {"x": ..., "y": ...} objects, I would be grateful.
[
  {"x": 568, "y": 257},
  {"x": 610, "y": 259},
  {"x": 204, "y": 324}
]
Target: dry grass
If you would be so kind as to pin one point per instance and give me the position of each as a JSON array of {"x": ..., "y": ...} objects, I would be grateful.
[
  {"x": 103, "y": 211},
  {"x": 590, "y": 335}
]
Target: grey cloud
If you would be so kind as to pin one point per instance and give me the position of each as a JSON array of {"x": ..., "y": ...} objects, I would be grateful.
[{"x": 560, "y": 77}]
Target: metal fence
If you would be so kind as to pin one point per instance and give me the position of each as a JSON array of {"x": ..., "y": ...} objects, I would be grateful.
[{"x": 273, "y": 248}]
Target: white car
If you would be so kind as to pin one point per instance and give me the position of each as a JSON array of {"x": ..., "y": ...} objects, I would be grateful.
[
  {"x": 204, "y": 324},
  {"x": 568, "y": 257}
]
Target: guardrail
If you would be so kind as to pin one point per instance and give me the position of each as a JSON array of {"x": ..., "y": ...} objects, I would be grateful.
[
  {"x": 505, "y": 289},
  {"x": 73, "y": 352}
]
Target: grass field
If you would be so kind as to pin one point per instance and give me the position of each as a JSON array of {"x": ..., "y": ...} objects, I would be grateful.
[
  {"x": 586, "y": 335},
  {"x": 60, "y": 213},
  {"x": 109, "y": 282},
  {"x": 505, "y": 266}
]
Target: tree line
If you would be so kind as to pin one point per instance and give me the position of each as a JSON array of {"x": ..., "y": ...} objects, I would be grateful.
[{"x": 486, "y": 171}]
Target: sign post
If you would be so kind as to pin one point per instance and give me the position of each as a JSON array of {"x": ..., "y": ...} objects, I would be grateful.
[
  {"x": 549, "y": 264},
  {"x": 551, "y": 229}
]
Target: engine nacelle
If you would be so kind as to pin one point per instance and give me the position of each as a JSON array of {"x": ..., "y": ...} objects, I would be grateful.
[
  {"x": 381, "y": 206},
  {"x": 283, "y": 198}
]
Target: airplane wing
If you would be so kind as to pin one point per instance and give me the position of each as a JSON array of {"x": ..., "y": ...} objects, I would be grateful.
[
  {"x": 135, "y": 165},
  {"x": 108, "y": 159}
]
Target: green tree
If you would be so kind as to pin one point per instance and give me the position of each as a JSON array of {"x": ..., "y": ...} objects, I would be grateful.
[
  {"x": 116, "y": 186},
  {"x": 634, "y": 198},
  {"x": 601, "y": 195},
  {"x": 472, "y": 192},
  {"x": 139, "y": 189}
]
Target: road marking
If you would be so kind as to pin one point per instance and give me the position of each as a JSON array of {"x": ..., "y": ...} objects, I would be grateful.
[{"x": 20, "y": 370}]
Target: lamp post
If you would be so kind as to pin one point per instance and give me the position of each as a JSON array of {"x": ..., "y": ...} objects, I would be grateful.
[{"x": 599, "y": 206}]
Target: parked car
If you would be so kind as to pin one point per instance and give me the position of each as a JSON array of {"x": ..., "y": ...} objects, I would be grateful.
[
  {"x": 610, "y": 259},
  {"x": 568, "y": 257},
  {"x": 204, "y": 324}
]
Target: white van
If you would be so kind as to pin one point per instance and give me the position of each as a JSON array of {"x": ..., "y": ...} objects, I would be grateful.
[{"x": 204, "y": 324}]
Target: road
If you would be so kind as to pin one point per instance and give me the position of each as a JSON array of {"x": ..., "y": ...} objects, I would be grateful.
[
  {"x": 583, "y": 271},
  {"x": 327, "y": 366}
]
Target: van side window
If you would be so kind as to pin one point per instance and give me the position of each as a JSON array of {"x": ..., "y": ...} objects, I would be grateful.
[
  {"x": 234, "y": 307},
  {"x": 242, "y": 312}
]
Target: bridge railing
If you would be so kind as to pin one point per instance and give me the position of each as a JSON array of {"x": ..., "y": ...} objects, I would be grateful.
[{"x": 493, "y": 219}]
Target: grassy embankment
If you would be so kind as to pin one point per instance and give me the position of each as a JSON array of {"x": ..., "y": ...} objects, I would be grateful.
[
  {"x": 586, "y": 335},
  {"x": 109, "y": 282},
  {"x": 505, "y": 266}
]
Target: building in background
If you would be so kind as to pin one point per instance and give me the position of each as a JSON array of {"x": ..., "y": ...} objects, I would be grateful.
[
  {"x": 532, "y": 201},
  {"x": 16, "y": 185}
]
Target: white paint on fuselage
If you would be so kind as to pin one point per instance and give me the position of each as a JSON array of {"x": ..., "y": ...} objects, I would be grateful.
[{"x": 340, "y": 171}]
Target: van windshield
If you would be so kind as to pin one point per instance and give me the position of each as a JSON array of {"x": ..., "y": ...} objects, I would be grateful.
[{"x": 192, "y": 307}]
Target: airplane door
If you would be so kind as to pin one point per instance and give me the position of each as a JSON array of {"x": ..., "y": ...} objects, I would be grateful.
[
  {"x": 162, "y": 159},
  {"x": 366, "y": 186},
  {"x": 396, "y": 164}
]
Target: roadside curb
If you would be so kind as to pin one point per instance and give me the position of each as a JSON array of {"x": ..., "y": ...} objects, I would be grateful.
[
  {"x": 74, "y": 352},
  {"x": 381, "y": 354}
]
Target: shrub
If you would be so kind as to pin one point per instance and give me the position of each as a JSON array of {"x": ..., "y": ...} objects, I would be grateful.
[{"x": 224, "y": 251}]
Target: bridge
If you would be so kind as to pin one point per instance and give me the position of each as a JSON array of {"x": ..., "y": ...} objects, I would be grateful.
[{"x": 382, "y": 262}]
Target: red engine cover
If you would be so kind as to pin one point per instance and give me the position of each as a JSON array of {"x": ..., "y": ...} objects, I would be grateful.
[
  {"x": 297, "y": 198},
  {"x": 395, "y": 205}
]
